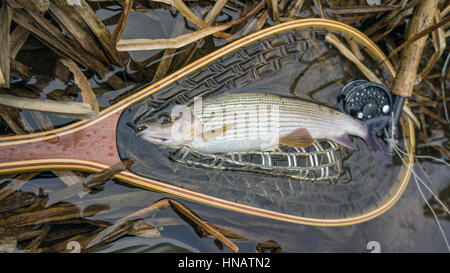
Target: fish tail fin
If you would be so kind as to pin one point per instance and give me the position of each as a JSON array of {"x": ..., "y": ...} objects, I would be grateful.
[{"x": 376, "y": 146}]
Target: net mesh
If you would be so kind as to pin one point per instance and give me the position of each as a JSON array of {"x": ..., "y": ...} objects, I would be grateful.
[{"x": 322, "y": 161}]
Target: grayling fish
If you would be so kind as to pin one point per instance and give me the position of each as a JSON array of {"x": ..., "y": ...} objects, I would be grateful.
[{"x": 252, "y": 122}]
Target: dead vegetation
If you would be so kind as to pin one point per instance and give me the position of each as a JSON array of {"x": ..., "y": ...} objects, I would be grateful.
[{"x": 89, "y": 58}]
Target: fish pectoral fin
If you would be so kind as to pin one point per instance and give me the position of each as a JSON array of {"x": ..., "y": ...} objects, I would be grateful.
[
  {"x": 300, "y": 137},
  {"x": 210, "y": 134},
  {"x": 343, "y": 140}
]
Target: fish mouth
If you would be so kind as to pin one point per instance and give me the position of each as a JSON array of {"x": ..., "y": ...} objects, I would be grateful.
[
  {"x": 142, "y": 131},
  {"x": 160, "y": 139},
  {"x": 154, "y": 139}
]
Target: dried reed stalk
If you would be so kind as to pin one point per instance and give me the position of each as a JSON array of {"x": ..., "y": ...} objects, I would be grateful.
[
  {"x": 355, "y": 48},
  {"x": 189, "y": 52},
  {"x": 5, "y": 24},
  {"x": 80, "y": 34},
  {"x": 87, "y": 94},
  {"x": 13, "y": 120},
  {"x": 82, "y": 184},
  {"x": 438, "y": 148},
  {"x": 50, "y": 35},
  {"x": 19, "y": 70},
  {"x": 98, "y": 28},
  {"x": 432, "y": 115},
  {"x": 188, "y": 14},
  {"x": 393, "y": 24},
  {"x": 162, "y": 204},
  {"x": 168, "y": 55},
  {"x": 18, "y": 38},
  {"x": 16, "y": 184},
  {"x": 439, "y": 43},
  {"x": 349, "y": 55},
  {"x": 51, "y": 215},
  {"x": 298, "y": 5},
  {"x": 319, "y": 7},
  {"x": 122, "y": 20},
  {"x": 215, "y": 11},
  {"x": 39, "y": 5},
  {"x": 407, "y": 110},
  {"x": 177, "y": 42},
  {"x": 273, "y": 4},
  {"x": 385, "y": 20},
  {"x": 202, "y": 224},
  {"x": 359, "y": 9},
  {"x": 47, "y": 105}
]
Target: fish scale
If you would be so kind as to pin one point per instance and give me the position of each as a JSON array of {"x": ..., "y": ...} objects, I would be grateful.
[{"x": 250, "y": 112}]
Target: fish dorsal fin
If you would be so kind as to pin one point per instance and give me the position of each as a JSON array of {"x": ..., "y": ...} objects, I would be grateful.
[
  {"x": 210, "y": 134},
  {"x": 344, "y": 140},
  {"x": 298, "y": 138}
]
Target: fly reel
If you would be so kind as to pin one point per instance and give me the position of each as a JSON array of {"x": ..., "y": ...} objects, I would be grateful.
[{"x": 365, "y": 100}]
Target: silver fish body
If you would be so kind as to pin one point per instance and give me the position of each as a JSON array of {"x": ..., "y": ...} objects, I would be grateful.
[{"x": 260, "y": 122}]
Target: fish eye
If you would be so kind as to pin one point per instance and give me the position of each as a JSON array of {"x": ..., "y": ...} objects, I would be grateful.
[{"x": 165, "y": 120}]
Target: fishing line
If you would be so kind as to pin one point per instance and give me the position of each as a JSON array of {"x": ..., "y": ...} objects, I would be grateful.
[
  {"x": 434, "y": 158},
  {"x": 123, "y": 69},
  {"x": 426, "y": 156},
  {"x": 444, "y": 70},
  {"x": 425, "y": 185},
  {"x": 399, "y": 152},
  {"x": 422, "y": 156},
  {"x": 434, "y": 214},
  {"x": 415, "y": 176}
]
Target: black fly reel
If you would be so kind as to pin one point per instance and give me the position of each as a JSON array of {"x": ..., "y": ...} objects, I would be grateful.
[{"x": 365, "y": 100}]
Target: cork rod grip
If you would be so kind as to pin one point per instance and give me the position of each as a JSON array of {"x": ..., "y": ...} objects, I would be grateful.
[{"x": 407, "y": 72}]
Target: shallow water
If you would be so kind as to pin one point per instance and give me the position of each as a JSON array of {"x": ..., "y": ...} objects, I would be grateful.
[{"x": 407, "y": 227}]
